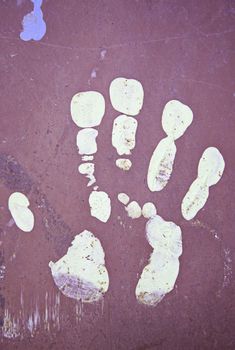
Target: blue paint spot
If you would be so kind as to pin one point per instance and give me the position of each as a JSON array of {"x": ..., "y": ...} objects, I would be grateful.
[{"x": 34, "y": 27}]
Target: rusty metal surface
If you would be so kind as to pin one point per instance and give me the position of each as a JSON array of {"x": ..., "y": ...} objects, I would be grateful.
[{"x": 178, "y": 50}]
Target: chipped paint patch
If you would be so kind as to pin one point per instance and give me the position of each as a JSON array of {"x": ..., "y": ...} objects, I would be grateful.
[
  {"x": 100, "y": 205},
  {"x": 126, "y": 95},
  {"x": 123, "y": 134},
  {"x": 87, "y": 109},
  {"x": 210, "y": 170},
  {"x": 133, "y": 210},
  {"x": 124, "y": 164},
  {"x": 149, "y": 210},
  {"x": 18, "y": 205},
  {"x": 159, "y": 275},
  {"x": 81, "y": 273},
  {"x": 123, "y": 198}
]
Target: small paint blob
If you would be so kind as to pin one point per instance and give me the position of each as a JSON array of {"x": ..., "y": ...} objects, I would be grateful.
[
  {"x": 126, "y": 95},
  {"x": 81, "y": 273},
  {"x": 124, "y": 164},
  {"x": 87, "y": 158},
  {"x": 18, "y": 205},
  {"x": 149, "y": 210},
  {"x": 123, "y": 198},
  {"x": 100, "y": 205},
  {"x": 87, "y": 109},
  {"x": 133, "y": 210}
]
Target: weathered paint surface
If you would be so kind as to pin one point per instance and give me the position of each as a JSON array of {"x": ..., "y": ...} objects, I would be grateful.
[{"x": 177, "y": 50}]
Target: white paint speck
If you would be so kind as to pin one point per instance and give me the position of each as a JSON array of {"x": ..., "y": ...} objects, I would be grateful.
[
  {"x": 124, "y": 164},
  {"x": 123, "y": 198}
]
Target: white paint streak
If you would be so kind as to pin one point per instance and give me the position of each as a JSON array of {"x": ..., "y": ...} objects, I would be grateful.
[
  {"x": 228, "y": 270},
  {"x": 123, "y": 198},
  {"x": 159, "y": 276},
  {"x": 81, "y": 273},
  {"x": 18, "y": 205},
  {"x": 87, "y": 109},
  {"x": 176, "y": 118},
  {"x": 100, "y": 205},
  {"x": 210, "y": 170},
  {"x": 88, "y": 170},
  {"x": 133, "y": 210},
  {"x": 126, "y": 95},
  {"x": 11, "y": 326},
  {"x": 124, "y": 164},
  {"x": 86, "y": 141},
  {"x": 123, "y": 134}
]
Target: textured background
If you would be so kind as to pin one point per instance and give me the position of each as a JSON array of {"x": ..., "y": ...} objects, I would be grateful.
[{"x": 178, "y": 50}]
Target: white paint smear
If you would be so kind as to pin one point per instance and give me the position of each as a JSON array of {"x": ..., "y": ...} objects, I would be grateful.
[
  {"x": 87, "y": 109},
  {"x": 100, "y": 205},
  {"x": 18, "y": 205},
  {"x": 161, "y": 165},
  {"x": 86, "y": 141},
  {"x": 123, "y": 134},
  {"x": 210, "y": 170},
  {"x": 149, "y": 210},
  {"x": 123, "y": 198},
  {"x": 81, "y": 273},
  {"x": 126, "y": 95},
  {"x": 88, "y": 170},
  {"x": 176, "y": 118},
  {"x": 159, "y": 276},
  {"x": 124, "y": 164},
  {"x": 87, "y": 158},
  {"x": 133, "y": 210}
]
